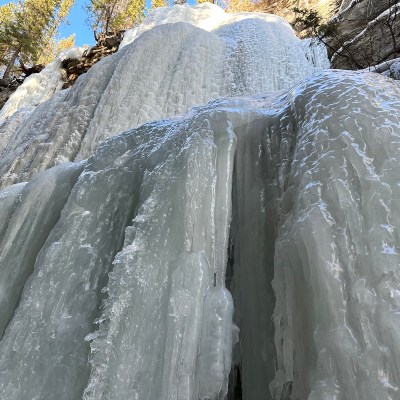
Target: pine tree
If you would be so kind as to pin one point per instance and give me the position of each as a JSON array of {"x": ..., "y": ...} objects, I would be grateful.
[
  {"x": 242, "y": 5},
  {"x": 158, "y": 3},
  {"x": 26, "y": 29},
  {"x": 6, "y": 17},
  {"x": 53, "y": 47},
  {"x": 111, "y": 16},
  {"x": 207, "y": 1}
]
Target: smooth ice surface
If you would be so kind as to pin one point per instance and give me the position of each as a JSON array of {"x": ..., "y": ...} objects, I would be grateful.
[
  {"x": 169, "y": 68},
  {"x": 206, "y": 16}
]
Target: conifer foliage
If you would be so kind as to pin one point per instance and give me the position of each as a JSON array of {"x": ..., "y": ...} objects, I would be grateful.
[
  {"x": 158, "y": 3},
  {"x": 111, "y": 16},
  {"x": 27, "y": 28}
]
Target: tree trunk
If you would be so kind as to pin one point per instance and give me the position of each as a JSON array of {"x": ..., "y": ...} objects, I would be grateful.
[{"x": 11, "y": 63}]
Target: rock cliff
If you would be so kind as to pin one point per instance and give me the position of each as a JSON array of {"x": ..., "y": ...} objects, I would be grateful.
[
  {"x": 104, "y": 47},
  {"x": 367, "y": 33}
]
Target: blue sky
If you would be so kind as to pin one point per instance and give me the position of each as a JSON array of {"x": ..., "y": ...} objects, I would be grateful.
[{"x": 77, "y": 23}]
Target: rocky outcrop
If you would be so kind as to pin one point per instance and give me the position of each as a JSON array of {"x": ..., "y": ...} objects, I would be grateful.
[
  {"x": 367, "y": 33},
  {"x": 104, "y": 47},
  {"x": 363, "y": 33},
  {"x": 7, "y": 88}
]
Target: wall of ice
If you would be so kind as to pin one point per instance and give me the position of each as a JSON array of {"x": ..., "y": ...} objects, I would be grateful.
[
  {"x": 179, "y": 58},
  {"x": 308, "y": 179}
]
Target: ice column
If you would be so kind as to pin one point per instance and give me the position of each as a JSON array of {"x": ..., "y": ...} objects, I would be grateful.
[
  {"x": 28, "y": 214},
  {"x": 172, "y": 250},
  {"x": 43, "y": 354},
  {"x": 337, "y": 315}
]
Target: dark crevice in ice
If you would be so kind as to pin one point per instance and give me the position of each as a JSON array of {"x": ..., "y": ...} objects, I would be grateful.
[
  {"x": 235, "y": 384},
  {"x": 250, "y": 267}
]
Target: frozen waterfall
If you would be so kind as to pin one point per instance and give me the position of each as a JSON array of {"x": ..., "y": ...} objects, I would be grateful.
[
  {"x": 247, "y": 249},
  {"x": 164, "y": 72}
]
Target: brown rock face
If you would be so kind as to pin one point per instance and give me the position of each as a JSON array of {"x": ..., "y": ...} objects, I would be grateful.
[
  {"x": 367, "y": 32},
  {"x": 76, "y": 67}
]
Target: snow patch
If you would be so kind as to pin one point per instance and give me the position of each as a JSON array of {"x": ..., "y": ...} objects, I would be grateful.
[{"x": 37, "y": 88}]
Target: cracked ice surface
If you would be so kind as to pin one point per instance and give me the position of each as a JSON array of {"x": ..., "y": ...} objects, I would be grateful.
[{"x": 166, "y": 70}]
